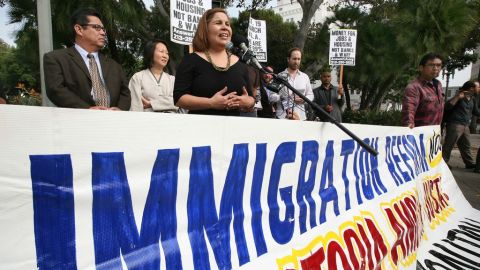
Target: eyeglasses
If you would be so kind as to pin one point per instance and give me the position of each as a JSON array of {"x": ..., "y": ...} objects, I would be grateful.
[
  {"x": 434, "y": 65},
  {"x": 97, "y": 27}
]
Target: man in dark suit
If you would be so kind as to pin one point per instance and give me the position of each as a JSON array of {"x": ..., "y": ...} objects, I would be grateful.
[{"x": 81, "y": 77}]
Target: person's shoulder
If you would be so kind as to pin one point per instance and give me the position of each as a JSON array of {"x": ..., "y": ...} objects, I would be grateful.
[
  {"x": 193, "y": 56},
  {"x": 109, "y": 61},
  {"x": 106, "y": 58},
  {"x": 59, "y": 52},
  {"x": 168, "y": 75},
  {"x": 414, "y": 83},
  {"x": 140, "y": 73},
  {"x": 285, "y": 71},
  {"x": 301, "y": 73},
  {"x": 437, "y": 81},
  {"x": 191, "y": 59}
]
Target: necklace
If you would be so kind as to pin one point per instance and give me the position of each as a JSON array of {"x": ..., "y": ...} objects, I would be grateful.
[
  {"x": 215, "y": 66},
  {"x": 159, "y": 78}
]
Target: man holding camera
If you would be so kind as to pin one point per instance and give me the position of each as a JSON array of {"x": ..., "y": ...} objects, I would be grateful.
[{"x": 459, "y": 110}]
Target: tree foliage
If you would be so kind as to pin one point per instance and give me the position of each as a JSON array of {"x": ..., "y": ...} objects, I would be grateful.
[
  {"x": 15, "y": 70},
  {"x": 393, "y": 36}
]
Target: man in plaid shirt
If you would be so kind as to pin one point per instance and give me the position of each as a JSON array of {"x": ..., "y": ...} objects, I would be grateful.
[{"x": 423, "y": 100}]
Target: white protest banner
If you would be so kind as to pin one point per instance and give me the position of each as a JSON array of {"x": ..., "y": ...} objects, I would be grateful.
[
  {"x": 84, "y": 189},
  {"x": 184, "y": 18},
  {"x": 257, "y": 38},
  {"x": 343, "y": 43}
]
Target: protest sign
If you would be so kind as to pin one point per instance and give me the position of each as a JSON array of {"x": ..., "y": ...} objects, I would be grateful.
[
  {"x": 84, "y": 189},
  {"x": 343, "y": 44},
  {"x": 257, "y": 38},
  {"x": 184, "y": 18}
]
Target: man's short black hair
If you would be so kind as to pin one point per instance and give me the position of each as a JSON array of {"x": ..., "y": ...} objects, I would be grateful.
[
  {"x": 325, "y": 70},
  {"x": 467, "y": 85},
  {"x": 430, "y": 56},
  {"x": 79, "y": 16},
  {"x": 149, "y": 51}
]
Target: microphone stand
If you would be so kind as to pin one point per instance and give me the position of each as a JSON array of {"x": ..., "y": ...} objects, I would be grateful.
[{"x": 317, "y": 108}]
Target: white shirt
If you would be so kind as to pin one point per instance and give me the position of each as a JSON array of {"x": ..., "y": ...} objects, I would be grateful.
[
  {"x": 84, "y": 54},
  {"x": 160, "y": 94},
  {"x": 301, "y": 82}
]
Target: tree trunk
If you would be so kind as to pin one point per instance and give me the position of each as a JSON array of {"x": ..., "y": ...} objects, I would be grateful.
[
  {"x": 368, "y": 93},
  {"x": 363, "y": 97},
  {"x": 309, "y": 7},
  {"x": 313, "y": 68},
  {"x": 346, "y": 91},
  {"x": 162, "y": 9},
  {"x": 348, "y": 102},
  {"x": 382, "y": 92}
]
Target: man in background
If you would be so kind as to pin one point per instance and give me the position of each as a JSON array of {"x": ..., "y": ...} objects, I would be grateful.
[
  {"x": 423, "y": 100},
  {"x": 300, "y": 81},
  {"x": 329, "y": 97},
  {"x": 80, "y": 76},
  {"x": 476, "y": 96},
  {"x": 459, "y": 110}
]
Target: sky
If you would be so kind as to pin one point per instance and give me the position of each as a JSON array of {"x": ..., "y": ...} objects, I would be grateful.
[
  {"x": 8, "y": 35},
  {"x": 7, "y": 32}
]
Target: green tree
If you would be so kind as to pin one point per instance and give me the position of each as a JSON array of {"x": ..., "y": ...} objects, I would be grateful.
[{"x": 15, "y": 68}]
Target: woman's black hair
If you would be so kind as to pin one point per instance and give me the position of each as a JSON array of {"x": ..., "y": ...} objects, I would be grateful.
[{"x": 149, "y": 51}]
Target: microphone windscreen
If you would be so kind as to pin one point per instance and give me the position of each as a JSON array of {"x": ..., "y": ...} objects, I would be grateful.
[
  {"x": 229, "y": 46},
  {"x": 238, "y": 39}
]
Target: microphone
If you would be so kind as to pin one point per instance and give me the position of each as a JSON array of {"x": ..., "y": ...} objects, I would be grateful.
[
  {"x": 234, "y": 50},
  {"x": 245, "y": 54}
]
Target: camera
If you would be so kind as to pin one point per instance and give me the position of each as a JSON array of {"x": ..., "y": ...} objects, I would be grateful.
[{"x": 274, "y": 86}]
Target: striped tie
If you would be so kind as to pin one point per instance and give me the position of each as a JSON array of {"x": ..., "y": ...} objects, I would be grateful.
[{"x": 99, "y": 91}]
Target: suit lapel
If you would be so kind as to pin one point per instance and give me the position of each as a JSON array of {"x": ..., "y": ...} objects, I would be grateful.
[{"x": 77, "y": 59}]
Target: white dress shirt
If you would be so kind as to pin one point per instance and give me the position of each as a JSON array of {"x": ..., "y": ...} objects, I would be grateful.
[
  {"x": 299, "y": 81},
  {"x": 160, "y": 94}
]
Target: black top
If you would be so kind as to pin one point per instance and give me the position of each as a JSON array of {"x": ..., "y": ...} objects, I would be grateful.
[
  {"x": 197, "y": 77},
  {"x": 461, "y": 112}
]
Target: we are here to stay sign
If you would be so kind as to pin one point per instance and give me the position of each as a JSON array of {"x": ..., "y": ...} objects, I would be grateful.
[{"x": 257, "y": 38}]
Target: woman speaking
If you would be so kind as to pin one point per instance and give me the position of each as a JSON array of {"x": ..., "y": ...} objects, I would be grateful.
[{"x": 211, "y": 80}]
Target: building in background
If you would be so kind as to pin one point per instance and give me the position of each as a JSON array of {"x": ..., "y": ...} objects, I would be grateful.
[{"x": 291, "y": 11}]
